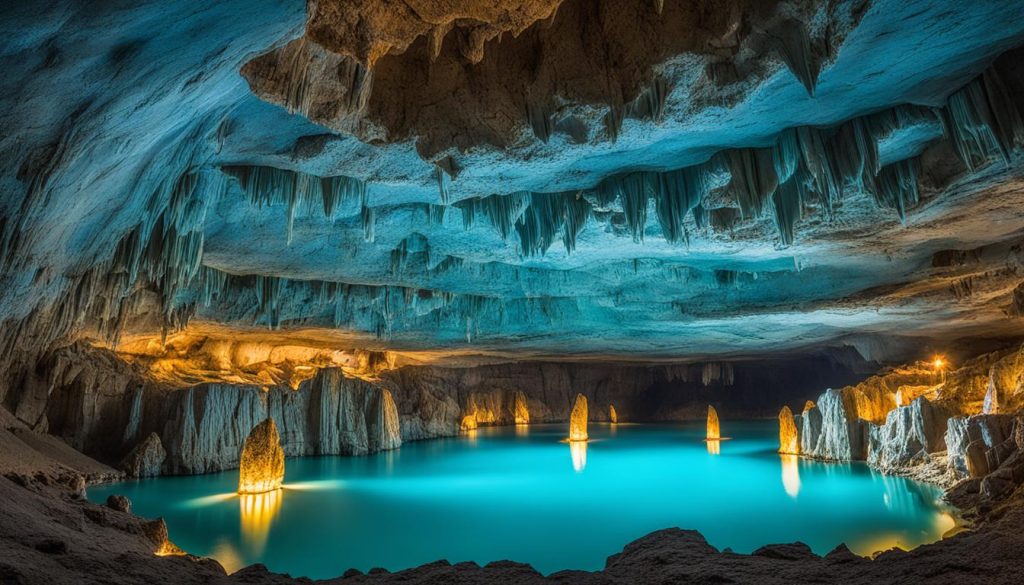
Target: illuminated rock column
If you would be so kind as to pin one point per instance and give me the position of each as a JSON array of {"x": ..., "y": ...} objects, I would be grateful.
[
  {"x": 578, "y": 419},
  {"x": 520, "y": 411},
  {"x": 261, "y": 468},
  {"x": 789, "y": 437},
  {"x": 612, "y": 415},
  {"x": 713, "y": 431}
]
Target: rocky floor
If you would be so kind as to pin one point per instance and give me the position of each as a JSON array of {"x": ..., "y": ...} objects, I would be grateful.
[{"x": 50, "y": 535}]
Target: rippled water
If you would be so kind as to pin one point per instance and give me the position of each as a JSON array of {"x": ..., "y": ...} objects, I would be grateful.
[{"x": 522, "y": 494}]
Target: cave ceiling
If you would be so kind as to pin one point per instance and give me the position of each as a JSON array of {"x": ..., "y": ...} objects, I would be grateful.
[{"x": 561, "y": 179}]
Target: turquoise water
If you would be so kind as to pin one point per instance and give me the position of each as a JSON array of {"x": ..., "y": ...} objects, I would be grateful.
[{"x": 521, "y": 494}]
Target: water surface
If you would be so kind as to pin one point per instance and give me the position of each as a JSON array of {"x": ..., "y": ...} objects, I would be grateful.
[{"x": 520, "y": 493}]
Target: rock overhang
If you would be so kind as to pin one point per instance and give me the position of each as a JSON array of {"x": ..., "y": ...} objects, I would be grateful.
[{"x": 730, "y": 292}]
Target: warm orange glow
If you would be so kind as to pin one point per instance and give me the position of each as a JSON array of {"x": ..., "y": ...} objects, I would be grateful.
[
  {"x": 521, "y": 411},
  {"x": 789, "y": 438},
  {"x": 714, "y": 447},
  {"x": 938, "y": 363},
  {"x": 258, "y": 512},
  {"x": 578, "y": 419},
  {"x": 261, "y": 468},
  {"x": 612, "y": 415},
  {"x": 578, "y": 452},
  {"x": 791, "y": 474},
  {"x": 468, "y": 423},
  {"x": 714, "y": 433}
]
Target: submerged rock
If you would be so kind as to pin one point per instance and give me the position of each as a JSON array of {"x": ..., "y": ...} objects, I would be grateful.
[
  {"x": 146, "y": 459},
  {"x": 578, "y": 419},
  {"x": 789, "y": 436},
  {"x": 262, "y": 463}
]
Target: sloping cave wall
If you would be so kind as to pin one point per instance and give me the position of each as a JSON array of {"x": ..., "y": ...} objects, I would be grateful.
[{"x": 107, "y": 407}]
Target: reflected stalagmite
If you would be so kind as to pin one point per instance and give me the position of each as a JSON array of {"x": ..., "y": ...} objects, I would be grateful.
[
  {"x": 261, "y": 468},
  {"x": 789, "y": 438},
  {"x": 257, "y": 512},
  {"x": 791, "y": 474},
  {"x": 578, "y": 452},
  {"x": 612, "y": 415},
  {"x": 521, "y": 412},
  {"x": 713, "y": 430},
  {"x": 578, "y": 419}
]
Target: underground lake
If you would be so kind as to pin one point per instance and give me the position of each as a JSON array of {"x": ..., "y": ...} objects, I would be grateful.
[{"x": 522, "y": 493}]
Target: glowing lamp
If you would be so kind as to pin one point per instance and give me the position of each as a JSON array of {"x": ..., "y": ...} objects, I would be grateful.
[
  {"x": 578, "y": 419},
  {"x": 713, "y": 429},
  {"x": 938, "y": 363},
  {"x": 261, "y": 468},
  {"x": 789, "y": 438}
]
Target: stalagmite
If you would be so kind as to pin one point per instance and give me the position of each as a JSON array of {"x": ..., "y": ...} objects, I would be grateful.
[
  {"x": 521, "y": 412},
  {"x": 789, "y": 438},
  {"x": 578, "y": 419},
  {"x": 261, "y": 467},
  {"x": 714, "y": 433},
  {"x": 612, "y": 415}
]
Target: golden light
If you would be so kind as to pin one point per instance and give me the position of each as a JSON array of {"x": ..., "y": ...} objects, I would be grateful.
[
  {"x": 791, "y": 474},
  {"x": 521, "y": 411},
  {"x": 261, "y": 468},
  {"x": 612, "y": 415},
  {"x": 578, "y": 419},
  {"x": 714, "y": 447},
  {"x": 714, "y": 432},
  {"x": 258, "y": 512},
  {"x": 789, "y": 438},
  {"x": 939, "y": 363},
  {"x": 578, "y": 451},
  {"x": 468, "y": 423}
]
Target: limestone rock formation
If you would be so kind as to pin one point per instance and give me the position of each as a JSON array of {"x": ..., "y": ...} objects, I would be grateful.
[
  {"x": 832, "y": 429},
  {"x": 977, "y": 444},
  {"x": 810, "y": 427},
  {"x": 578, "y": 419},
  {"x": 713, "y": 430},
  {"x": 908, "y": 437},
  {"x": 385, "y": 432},
  {"x": 146, "y": 459},
  {"x": 789, "y": 435},
  {"x": 261, "y": 466}
]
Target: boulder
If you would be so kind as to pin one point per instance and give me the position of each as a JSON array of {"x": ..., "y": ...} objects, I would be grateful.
[
  {"x": 119, "y": 503},
  {"x": 146, "y": 459}
]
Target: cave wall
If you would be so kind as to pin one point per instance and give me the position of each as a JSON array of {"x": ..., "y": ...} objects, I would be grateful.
[{"x": 106, "y": 407}]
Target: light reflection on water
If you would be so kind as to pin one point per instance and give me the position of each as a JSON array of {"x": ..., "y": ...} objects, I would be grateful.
[{"x": 508, "y": 493}]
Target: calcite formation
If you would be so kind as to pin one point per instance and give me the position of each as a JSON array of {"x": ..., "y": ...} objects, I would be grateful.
[
  {"x": 578, "y": 419},
  {"x": 713, "y": 431},
  {"x": 789, "y": 436},
  {"x": 261, "y": 465}
]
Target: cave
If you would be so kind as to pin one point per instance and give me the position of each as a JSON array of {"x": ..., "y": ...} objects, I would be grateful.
[{"x": 535, "y": 291}]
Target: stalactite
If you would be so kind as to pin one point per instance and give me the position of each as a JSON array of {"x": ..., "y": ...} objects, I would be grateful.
[
  {"x": 299, "y": 192},
  {"x": 541, "y": 120},
  {"x": 546, "y": 216},
  {"x": 613, "y": 122},
  {"x": 368, "y": 219},
  {"x": 675, "y": 195},
  {"x": 983, "y": 121},
  {"x": 753, "y": 179},
  {"x": 650, "y": 104},
  {"x": 436, "y": 213},
  {"x": 787, "y": 206},
  {"x": 794, "y": 46},
  {"x": 896, "y": 187}
]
